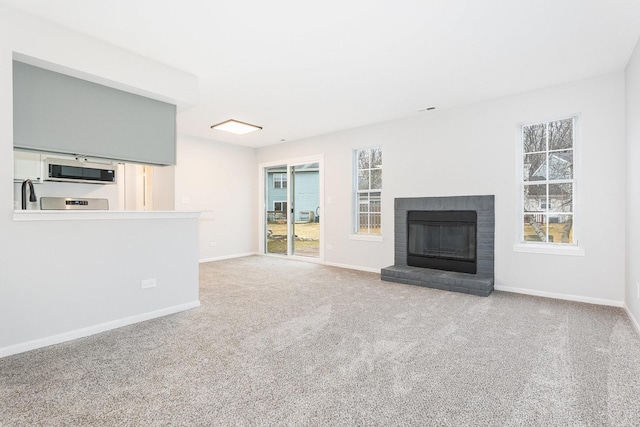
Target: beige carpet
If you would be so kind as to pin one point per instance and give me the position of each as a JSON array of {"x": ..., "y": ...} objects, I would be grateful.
[{"x": 279, "y": 342}]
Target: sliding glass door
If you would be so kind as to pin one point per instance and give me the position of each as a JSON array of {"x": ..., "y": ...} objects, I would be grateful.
[
  {"x": 305, "y": 191},
  {"x": 276, "y": 214},
  {"x": 292, "y": 209}
]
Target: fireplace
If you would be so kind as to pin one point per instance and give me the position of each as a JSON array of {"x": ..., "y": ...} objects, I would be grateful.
[
  {"x": 444, "y": 243},
  {"x": 444, "y": 240}
]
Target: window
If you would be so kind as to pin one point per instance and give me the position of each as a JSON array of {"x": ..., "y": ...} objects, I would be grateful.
[
  {"x": 280, "y": 206},
  {"x": 368, "y": 190},
  {"x": 279, "y": 180},
  {"x": 548, "y": 182}
]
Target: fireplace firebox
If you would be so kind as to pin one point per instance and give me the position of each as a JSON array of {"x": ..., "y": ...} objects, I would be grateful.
[{"x": 444, "y": 240}]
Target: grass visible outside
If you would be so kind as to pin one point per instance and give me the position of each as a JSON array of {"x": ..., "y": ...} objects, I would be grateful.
[
  {"x": 555, "y": 230},
  {"x": 310, "y": 230},
  {"x": 372, "y": 230},
  {"x": 280, "y": 246}
]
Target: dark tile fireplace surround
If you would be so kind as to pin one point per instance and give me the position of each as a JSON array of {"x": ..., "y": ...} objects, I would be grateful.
[{"x": 460, "y": 217}]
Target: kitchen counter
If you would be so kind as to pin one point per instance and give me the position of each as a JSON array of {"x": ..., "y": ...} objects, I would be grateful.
[
  {"x": 80, "y": 215},
  {"x": 77, "y": 273}
]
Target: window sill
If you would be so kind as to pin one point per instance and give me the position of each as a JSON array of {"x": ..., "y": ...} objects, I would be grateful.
[
  {"x": 367, "y": 237},
  {"x": 541, "y": 248}
]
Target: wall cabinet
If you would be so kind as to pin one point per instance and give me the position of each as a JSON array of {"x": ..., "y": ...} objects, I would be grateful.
[
  {"x": 57, "y": 113},
  {"x": 27, "y": 165}
]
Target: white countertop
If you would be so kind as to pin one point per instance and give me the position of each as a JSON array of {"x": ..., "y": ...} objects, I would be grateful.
[{"x": 80, "y": 215}]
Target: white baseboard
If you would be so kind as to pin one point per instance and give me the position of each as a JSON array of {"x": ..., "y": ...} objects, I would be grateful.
[
  {"x": 353, "y": 267},
  {"x": 92, "y": 330},
  {"x": 577, "y": 298},
  {"x": 634, "y": 321},
  {"x": 220, "y": 258}
]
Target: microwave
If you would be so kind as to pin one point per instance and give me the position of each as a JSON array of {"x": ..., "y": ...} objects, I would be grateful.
[{"x": 78, "y": 171}]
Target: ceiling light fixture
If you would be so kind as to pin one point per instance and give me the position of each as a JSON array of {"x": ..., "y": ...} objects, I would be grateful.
[{"x": 235, "y": 126}]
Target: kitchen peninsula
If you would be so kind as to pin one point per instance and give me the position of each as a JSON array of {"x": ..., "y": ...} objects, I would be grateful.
[{"x": 72, "y": 274}]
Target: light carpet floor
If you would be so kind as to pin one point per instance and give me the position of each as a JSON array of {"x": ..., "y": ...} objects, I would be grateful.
[{"x": 279, "y": 342}]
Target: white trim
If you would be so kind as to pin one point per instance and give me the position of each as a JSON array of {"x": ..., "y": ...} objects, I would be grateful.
[
  {"x": 220, "y": 258},
  {"x": 634, "y": 321},
  {"x": 355, "y": 192},
  {"x": 282, "y": 178},
  {"x": 301, "y": 258},
  {"x": 549, "y": 249},
  {"x": 96, "y": 329},
  {"x": 295, "y": 161},
  {"x": 353, "y": 267},
  {"x": 367, "y": 237},
  {"x": 262, "y": 198},
  {"x": 576, "y": 181},
  {"x": 577, "y": 298},
  {"x": 280, "y": 201}
]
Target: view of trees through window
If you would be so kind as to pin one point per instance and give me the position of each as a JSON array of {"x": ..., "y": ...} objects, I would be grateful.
[
  {"x": 548, "y": 181},
  {"x": 368, "y": 192}
]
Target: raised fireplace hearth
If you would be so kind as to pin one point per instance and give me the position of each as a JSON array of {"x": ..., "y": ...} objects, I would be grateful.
[{"x": 444, "y": 243}]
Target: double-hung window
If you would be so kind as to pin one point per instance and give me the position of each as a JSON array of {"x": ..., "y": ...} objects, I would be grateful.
[
  {"x": 280, "y": 180},
  {"x": 368, "y": 190},
  {"x": 548, "y": 182}
]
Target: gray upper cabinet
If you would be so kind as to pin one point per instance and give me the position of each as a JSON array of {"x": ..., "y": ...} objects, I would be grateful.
[{"x": 58, "y": 113}]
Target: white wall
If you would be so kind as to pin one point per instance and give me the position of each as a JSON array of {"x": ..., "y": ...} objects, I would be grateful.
[
  {"x": 132, "y": 186},
  {"x": 89, "y": 278},
  {"x": 632, "y": 299},
  {"x": 462, "y": 151},
  {"x": 221, "y": 181},
  {"x": 60, "y": 279},
  {"x": 471, "y": 150},
  {"x": 164, "y": 182}
]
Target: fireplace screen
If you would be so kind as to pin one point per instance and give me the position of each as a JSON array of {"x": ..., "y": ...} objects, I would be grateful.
[{"x": 444, "y": 240}]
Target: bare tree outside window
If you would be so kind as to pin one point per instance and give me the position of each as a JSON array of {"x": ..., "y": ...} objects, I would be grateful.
[
  {"x": 548, "y": 181},
  {"x": 368, "y": 191}
]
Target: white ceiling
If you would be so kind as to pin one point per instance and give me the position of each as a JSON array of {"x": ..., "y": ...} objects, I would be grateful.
[{"x": 303, "y": 68}]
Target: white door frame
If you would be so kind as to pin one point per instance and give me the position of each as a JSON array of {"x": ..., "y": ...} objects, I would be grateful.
[{"x": 262, "y": 203}]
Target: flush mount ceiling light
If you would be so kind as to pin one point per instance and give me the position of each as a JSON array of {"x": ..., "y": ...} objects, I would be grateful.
[{"x": 237, "y": 127}]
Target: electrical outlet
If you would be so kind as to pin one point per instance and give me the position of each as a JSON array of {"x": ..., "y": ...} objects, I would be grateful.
[
  {"x": 213, "y": 244},
  {"x": 185, "y": 200},
  {"x": 329, "y": 246},
  {"x": 148, "y": 283}
]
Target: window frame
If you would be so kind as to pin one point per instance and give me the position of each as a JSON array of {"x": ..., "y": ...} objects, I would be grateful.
[
  {"x": 282, "y": 204},
  {"x": 557, "y": 248},
  {"x": 357, "y": 233},
  {"x": 281, "y": 179}
]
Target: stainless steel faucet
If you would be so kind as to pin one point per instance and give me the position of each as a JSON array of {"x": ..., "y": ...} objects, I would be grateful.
[{"x": 32, "y": 193}]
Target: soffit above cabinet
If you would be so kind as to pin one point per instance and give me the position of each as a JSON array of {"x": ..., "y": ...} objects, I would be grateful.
[{"x": 54, "y": 112}]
